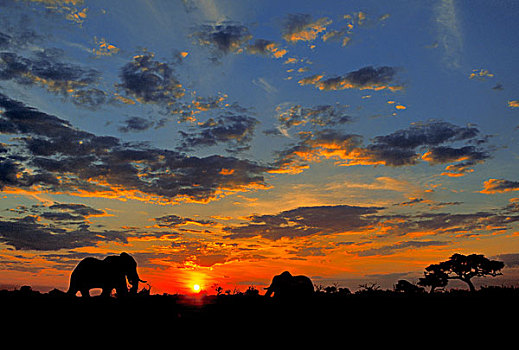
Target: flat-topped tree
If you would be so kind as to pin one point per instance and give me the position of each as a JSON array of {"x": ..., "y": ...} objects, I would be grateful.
[{"x": 461, "y": 267}]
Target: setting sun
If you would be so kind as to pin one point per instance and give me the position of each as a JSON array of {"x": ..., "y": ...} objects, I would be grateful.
[{"x": 196, "y": 288}]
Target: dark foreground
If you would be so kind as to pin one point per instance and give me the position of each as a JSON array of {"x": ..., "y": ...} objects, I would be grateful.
[{"x": 486, "y": 310}]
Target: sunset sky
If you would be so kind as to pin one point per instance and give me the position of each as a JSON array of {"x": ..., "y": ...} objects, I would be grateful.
[{"x": 223, "y": 142}]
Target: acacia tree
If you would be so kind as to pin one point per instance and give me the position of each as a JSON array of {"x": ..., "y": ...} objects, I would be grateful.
[
  {"x": 461, "y": 267},
  {"x": 434, "y": 277}
]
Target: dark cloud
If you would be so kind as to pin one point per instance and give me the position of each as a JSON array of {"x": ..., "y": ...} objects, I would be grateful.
[
  {"x": 411, "y": 202},
  {"x": 312, "y": 147},
  {"x": 78, "y": 209},
  {"x": 322, "y": 115},
  {"x": 266, "y": 47},
  {"x": 441, "y": 155},
  {"x": 390, "y": 249},
  {"x": 301, "y": 27},
  {"x": 446, "y": 223},
  {"x": 260, "y": 46},
  {"x": 136, "y": 124},
  {"x": 430, "y": 133},
  {"x": 174, "y": 221},
  {"x": 91, "y": 98},
  {"x": 499, "y": 186},
  {"x": 225, "y": 38},
  {"x": 150, "y": 81},
  {"x": 235, "y": 130},
  {"x": 46, "y": 68},
  {"x": 365, "y": 78},
  {"x": 62, "y": 213},
  {"x": 60, "y": 158},
  {"x": 306, "y": 221},
  {"x": 373, "y": 222},
  {"x": 429, "y": 141},
  {"x": 513, "y": 206},
  {"x": 28, "y": 234}
]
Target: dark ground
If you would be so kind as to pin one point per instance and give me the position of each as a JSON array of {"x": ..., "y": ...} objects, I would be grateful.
[{"x": 488, "y": 311}]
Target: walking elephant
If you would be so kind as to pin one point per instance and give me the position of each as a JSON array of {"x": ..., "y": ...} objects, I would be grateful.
[
  {"x": 107, "y": 274},
  {"x": 288, "y": 287}
]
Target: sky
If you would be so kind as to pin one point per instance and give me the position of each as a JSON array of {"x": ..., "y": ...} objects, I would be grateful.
[{"x": 223, "y": 142}]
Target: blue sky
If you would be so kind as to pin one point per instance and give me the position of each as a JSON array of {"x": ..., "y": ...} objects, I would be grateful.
[{"x": 226, "y": 141}]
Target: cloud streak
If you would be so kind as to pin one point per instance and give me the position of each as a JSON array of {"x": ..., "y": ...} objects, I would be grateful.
[
  {"x": 492, "y": 186},
  {"x": 367, "y": 78}
]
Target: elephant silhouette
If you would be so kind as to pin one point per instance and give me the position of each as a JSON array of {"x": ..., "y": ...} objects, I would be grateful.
[
  {"x": 107, "y": 274},
  {"x": 287, "y": 287}
]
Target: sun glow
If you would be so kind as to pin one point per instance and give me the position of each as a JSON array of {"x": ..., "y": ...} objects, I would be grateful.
[{"x": 196, "y": 288}]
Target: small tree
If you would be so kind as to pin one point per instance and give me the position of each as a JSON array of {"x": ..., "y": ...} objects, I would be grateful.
[
  {"x": 407, "y": 287},
  {"x": 463, "y": 268},
  {"x": 434, "y": 277},
  {"x": 251, "y": 291}
]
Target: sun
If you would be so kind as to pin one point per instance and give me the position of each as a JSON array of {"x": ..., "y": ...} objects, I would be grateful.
[{"x": 196, "y": 288}]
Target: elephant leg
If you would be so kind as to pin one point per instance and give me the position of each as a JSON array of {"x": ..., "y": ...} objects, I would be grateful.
[
  {"x": 85, "y": 293},
  {"x": 121, "y": 291},
  {"x": 121, "y": 287}
]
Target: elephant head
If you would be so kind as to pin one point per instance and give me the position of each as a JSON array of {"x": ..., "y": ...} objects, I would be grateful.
[
  {"x": 285, "y": 286},
  {"x": 128, "y": 266}
]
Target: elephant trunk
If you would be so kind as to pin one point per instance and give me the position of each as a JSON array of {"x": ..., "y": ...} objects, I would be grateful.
[
  {"x": 134, "y": 282},
  {"x": 269, "y": 292}
]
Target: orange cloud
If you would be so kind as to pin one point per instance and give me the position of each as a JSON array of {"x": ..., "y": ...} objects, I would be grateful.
[
  {"x": 307, "y": 31},
  {"x": 313, "y": 80},
  {"x": 103, "y": 48},
  {"x": 480, "y": 74},
  {"x": 366, "y": 78},
  {"x": 492, "y": 186}
]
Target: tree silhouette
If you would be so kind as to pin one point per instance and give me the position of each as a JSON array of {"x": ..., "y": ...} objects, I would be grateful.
[
  {"x": 407, "y": 287},
  {"x": 434, "y": 277},
  {"x": 461, "y": 267}
]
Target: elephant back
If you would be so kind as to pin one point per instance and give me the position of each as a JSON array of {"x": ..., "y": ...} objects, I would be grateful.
[
  {"x": 88, "y": 264},
  {"x": 87, "y": 273},
  {"x": 302, "y": 286}
]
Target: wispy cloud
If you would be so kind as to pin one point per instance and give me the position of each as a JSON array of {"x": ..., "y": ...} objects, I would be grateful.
[
  {"x": 499, "y": 186},
  {"x": 450, "y": 36}
]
